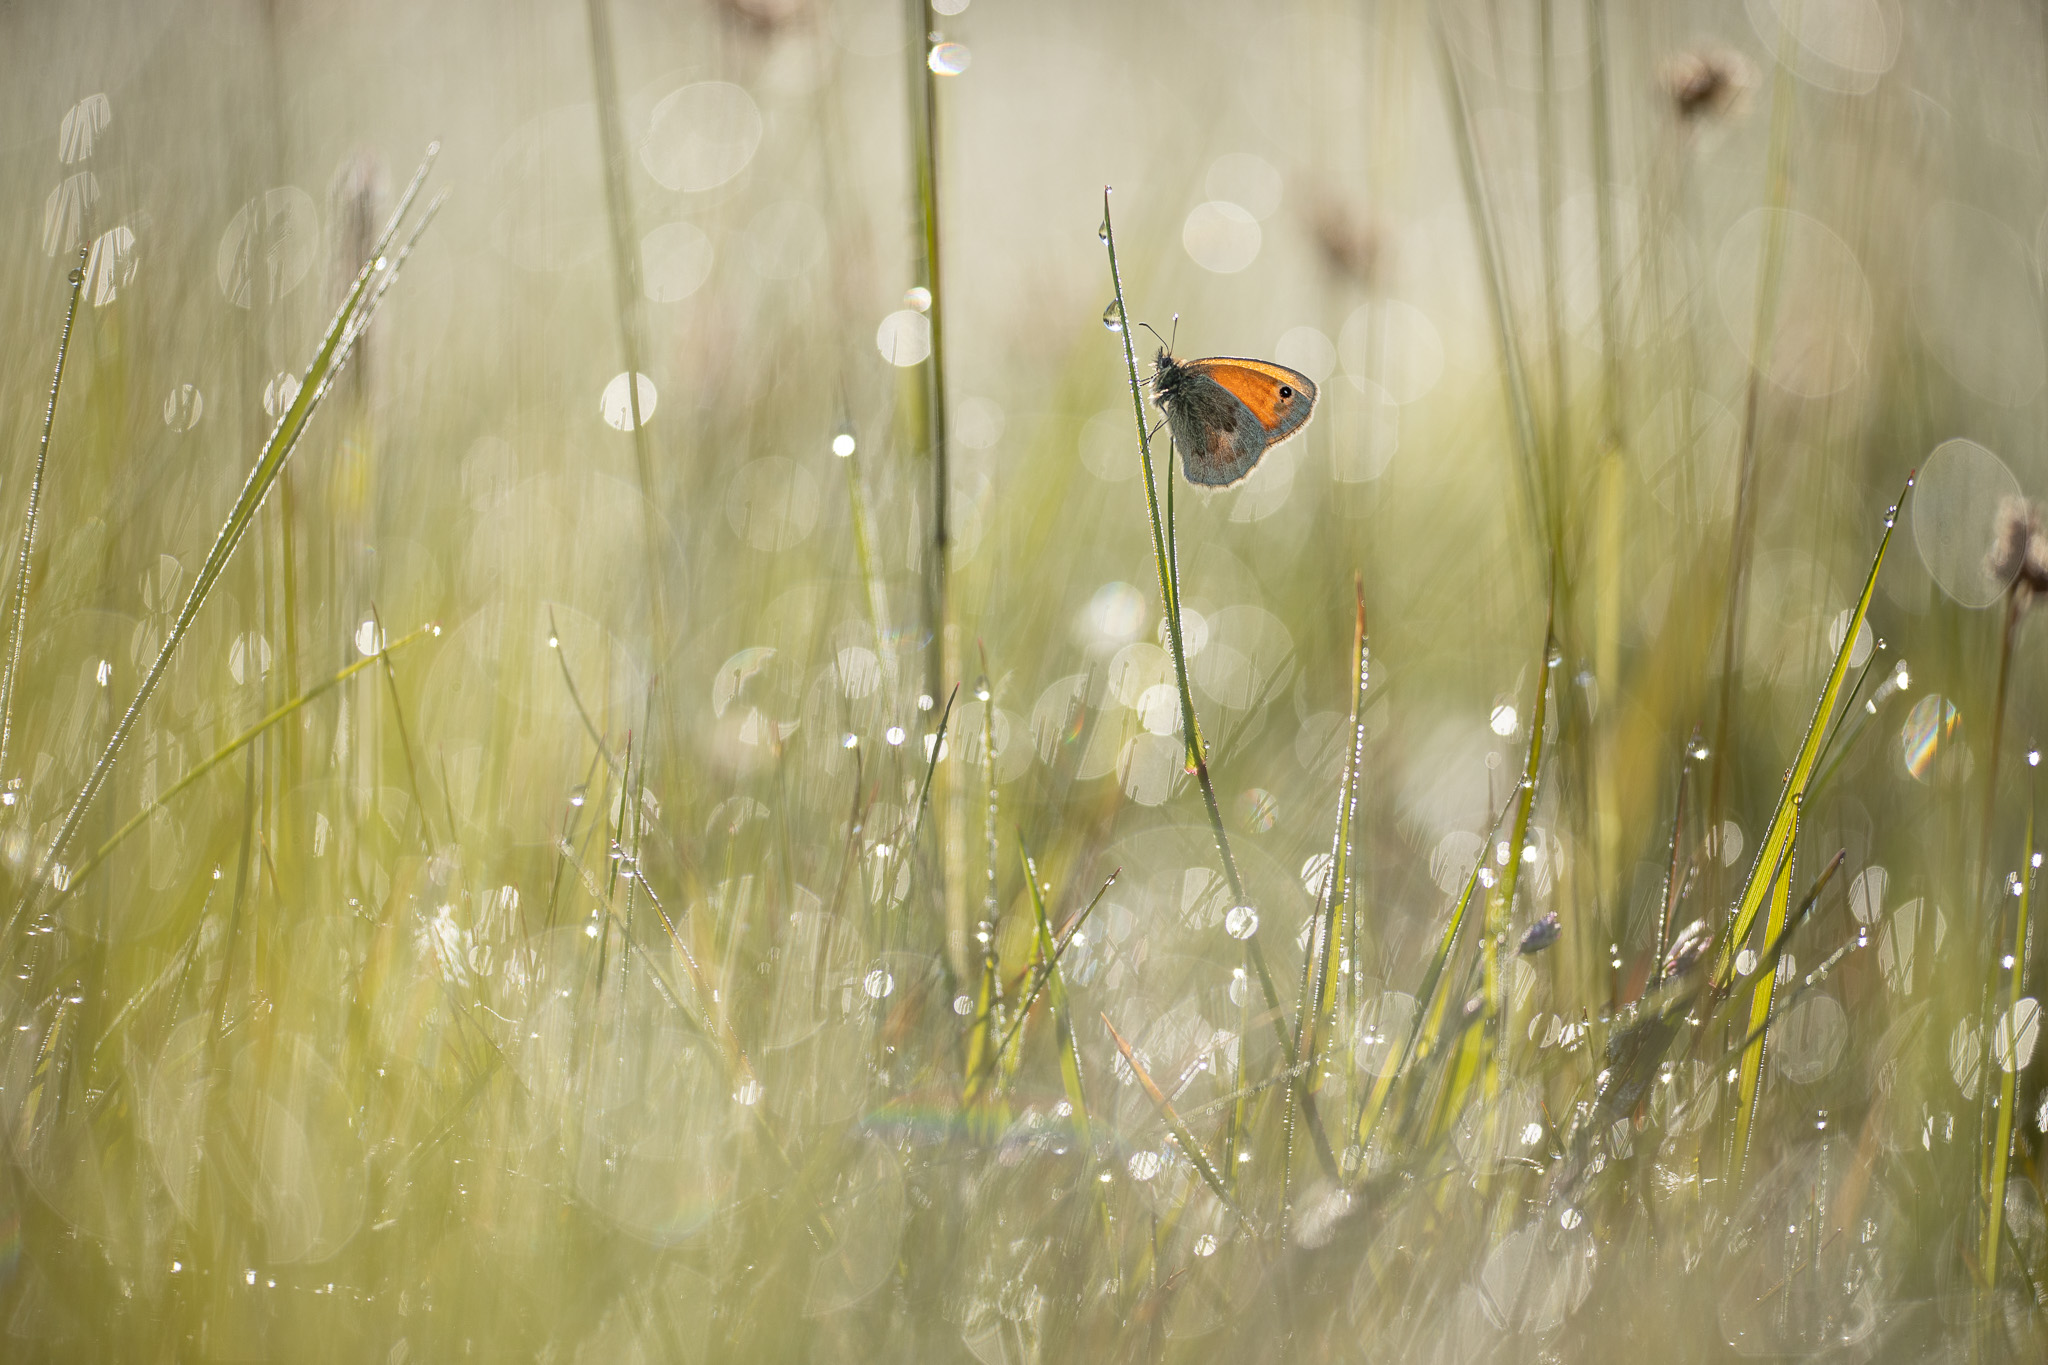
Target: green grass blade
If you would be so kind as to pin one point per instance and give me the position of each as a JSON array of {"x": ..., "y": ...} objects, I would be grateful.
[
  {"x": 24, "y": 564},
  {"x": 2008, "y": 1077},
  {"x": 1778, "y": 834},
  {"x": 342, "y": 334},
  {"x": 1751, "y": 1069}
]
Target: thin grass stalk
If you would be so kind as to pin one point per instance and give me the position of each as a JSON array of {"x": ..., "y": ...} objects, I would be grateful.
[
  {"x": 1051, "y": 948},
  {"x": 626, "y": 295},
  {"x": 1613, "y": 398},
  {"x": 18, "y": 622},
  {"x": 924, "y": 156},
  {"x": 1747, "y": 1086},
  {"x": 1777, "y": 191},
  {"x": 226, "y": 751},
  {"x": 2015, "y": 610},
  {"x": 1319, "y": 963},
  {"x": 342, "y": 333},
  {"x": 941, "y": 664},
  {"x": 1341, "y": 912},
  {"x": 412, "y": 767},
  {"x": 2008, "y": 1076},
  {"x": 1169, "y": 596},
  {"x": 1547, "y": 177},
  {"x": 1429, "y": 999},
  {"x": 1181, "y": 1136},
  {"x": 1514, "y": 374},
  {"x": 1777, "y": 835},
  {"x": 864, "y": 553},
  {"x": 1500, "y": 905}
]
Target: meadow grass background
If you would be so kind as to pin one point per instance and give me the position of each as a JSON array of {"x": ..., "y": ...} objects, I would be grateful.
[{"x": 608, "y": 972}]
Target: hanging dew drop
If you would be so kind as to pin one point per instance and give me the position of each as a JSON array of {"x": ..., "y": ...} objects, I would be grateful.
[
  {"x": 1102, "y": 233},
  {"x": 1112, "y": 317}
]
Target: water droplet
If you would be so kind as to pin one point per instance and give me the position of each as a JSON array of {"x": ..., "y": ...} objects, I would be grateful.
[
  {"x": 878, "y": 983},
  {"x": 1102, "y": 232},
  {"x": 1144, "y": 1165},
  {"x": 617, "y": 403},
  {"x": 963, "y": 1005},
  {"x": 1569, "y": 1219},
  {"x": 1241, "y": 922},
  {"x": 76, "y": 276},
  {"x": 851, "y": 741},
  {"x": 918, "y": 297},
  {"x": 183, "y": 409},
  {"x": 576, "y": 795},
  {"x": 949, "y": 59},
  {"x": 1113, "y": 317},
  {"x": 1205, "y": 1245},
  {"x": 1504, "y": 719},
  {"x": 981, "y": 688},
  {"x": 748, "y": 1093},
  {"x": 894, "y": 734}
]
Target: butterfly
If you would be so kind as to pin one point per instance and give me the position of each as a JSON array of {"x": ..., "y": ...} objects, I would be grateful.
[{"x": 1226, "y": 413}]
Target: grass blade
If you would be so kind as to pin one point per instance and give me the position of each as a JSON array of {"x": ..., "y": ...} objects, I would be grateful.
[
  {"x": 18, "y": 625},
  {"x": 342, "y": 334},
  {"x": 1778, "y": 835}
]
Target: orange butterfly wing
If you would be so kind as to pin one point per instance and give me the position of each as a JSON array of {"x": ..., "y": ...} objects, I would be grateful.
[{"x": 1281, "y": 399}]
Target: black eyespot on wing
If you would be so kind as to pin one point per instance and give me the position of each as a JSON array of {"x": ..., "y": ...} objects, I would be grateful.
[{"x": 1286, "y": 392}]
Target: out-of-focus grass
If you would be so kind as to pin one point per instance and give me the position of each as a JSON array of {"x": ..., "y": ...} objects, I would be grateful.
[{"x": 740, "y": 934}]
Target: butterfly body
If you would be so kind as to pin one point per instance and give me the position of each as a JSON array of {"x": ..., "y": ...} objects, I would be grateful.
[{"x": 1225, "y": 413}]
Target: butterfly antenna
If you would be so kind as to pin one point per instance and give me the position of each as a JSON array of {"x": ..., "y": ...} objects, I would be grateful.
[{"x": 1155, "y": 332}]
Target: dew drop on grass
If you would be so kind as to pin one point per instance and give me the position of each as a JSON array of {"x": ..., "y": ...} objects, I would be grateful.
[
  {"x": 843, "y": 444},
  {"x": 1112, "y": 316},
  {"x": 616, "y": 404},
  {"x": 949, "y": 59},
  {"x": 184, "y": 407},
  {"x": 1145, "y": 1165},
  {"x": 1241, "y": 921},
  {"x": 576, "y": 795},
  {"x": 1205, "y": 1245},
  {"x": 904, "y": 338},
  {"x": 963, "y": 1005},
  {"x": 918, "y": 297},
  {"x": 279, "y": 393},
  {"x": 748, "y": 1093}
]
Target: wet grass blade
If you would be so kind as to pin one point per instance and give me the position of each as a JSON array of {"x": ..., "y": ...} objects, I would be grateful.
[
  {"x": 1751, "y": 1069},
  {"x": 1169, "y": 597},
  {"x": 1181, "y": 1136},
  {"x": 24, "y": 563},
  {"x": 1429, "y": 999},
  {"x": 227, "y": 751},
  {"x": 1778, "y": 834},
  {"x": 2000, "y": 1153},
  {"x": 341, "y": 336}
]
